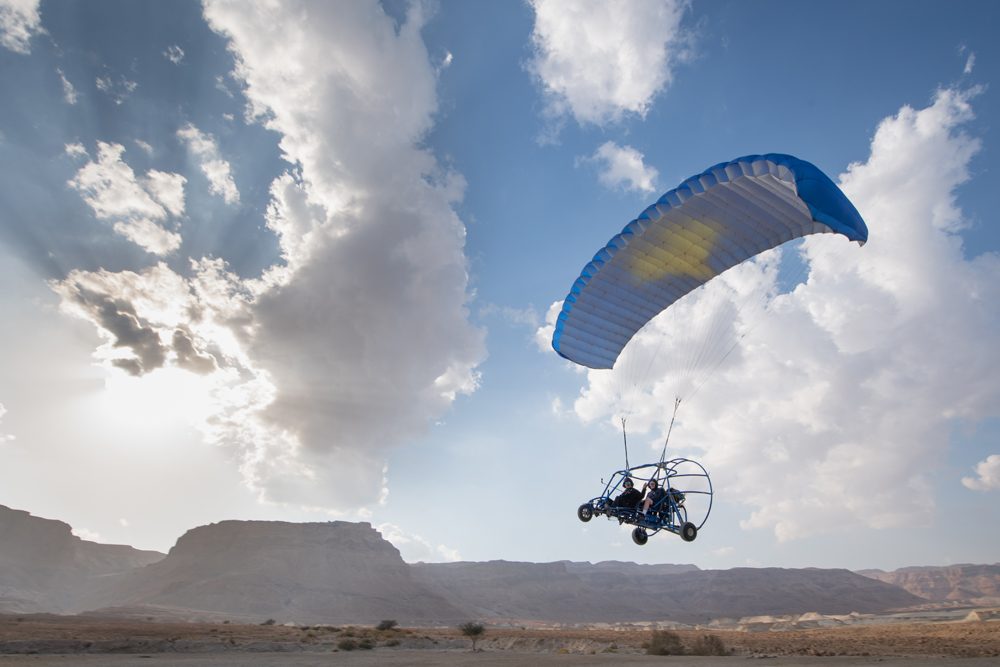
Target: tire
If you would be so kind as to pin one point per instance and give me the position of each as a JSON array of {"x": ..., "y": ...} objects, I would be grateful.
[
  {"x": 688, "y": 532},
  {"x": 585, "y": 512},
  {"x": 639, "y": 536}
]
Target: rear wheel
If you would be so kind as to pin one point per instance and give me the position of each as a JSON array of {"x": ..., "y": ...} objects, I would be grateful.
[
  {"x": 585, "y": 512},
  {"x": 688, "y": 532},
  {"x": 639, "y": 536}
]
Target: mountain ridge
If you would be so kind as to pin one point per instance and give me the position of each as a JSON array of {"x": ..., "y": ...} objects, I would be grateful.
[{"x": 343, "y": 572}]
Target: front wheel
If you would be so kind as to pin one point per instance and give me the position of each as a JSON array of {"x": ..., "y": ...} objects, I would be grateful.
[
  {"x": 689, "y": 532},
  {"x": 639, "y": 536},
  {"x": 585, "y": 512}
]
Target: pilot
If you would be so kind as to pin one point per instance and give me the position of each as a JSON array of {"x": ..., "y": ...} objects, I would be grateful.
[
  {"x": 654, "y": 494},
  {"x": 630, "y": 497}
]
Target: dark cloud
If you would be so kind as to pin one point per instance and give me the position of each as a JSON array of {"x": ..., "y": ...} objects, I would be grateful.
[
  {"x": 118, "y": 317},
  {"x": 189, "y": 357}
]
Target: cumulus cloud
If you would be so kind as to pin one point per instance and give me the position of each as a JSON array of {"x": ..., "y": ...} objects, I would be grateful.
[
  {"x": 414, "y": 548},
  {"x": 622, "y": 168},
  {"x": 600, "y": 60},
  {"x": 69, "y": 92},
  {"x": 19, "y": 22},
  {"x": 137, "y": 313},
  {"x": 136, "y": 206},
  {"x": 365, "y": 335},
  {"x": 987, "y": 475},
  {"x": 217, "y": 170},
  {"x": 359, "y": 338},
  {"x": 837, "y": 407},
  {"x": 76, "y": 150}
]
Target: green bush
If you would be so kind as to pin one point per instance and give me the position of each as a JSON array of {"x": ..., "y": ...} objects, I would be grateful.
[
  {"x": 347, "y": 644},
  {"x": 709, "y": 645},
  {"x": 665, "y": 642},
  {"x": 386, "y": 625},
  {"x": 473, "y": 631}
]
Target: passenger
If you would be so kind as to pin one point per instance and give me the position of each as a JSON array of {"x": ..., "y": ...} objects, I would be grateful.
[
  {"x": 630, "y": 497},
  {"x": 654, "y": 494}
]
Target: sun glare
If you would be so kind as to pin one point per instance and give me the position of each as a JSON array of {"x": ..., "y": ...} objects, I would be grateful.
[{"x": 167, "y": 398}]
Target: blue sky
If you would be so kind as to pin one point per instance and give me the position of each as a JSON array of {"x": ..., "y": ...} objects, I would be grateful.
[{"x": 300, "y": 263}]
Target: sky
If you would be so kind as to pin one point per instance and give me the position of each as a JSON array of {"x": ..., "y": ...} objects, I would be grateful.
[{"x": 300, "y": 261}]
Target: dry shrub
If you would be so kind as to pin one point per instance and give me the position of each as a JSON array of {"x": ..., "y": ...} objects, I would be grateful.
[
  {"x": 709, "y": 645},
  {"x": 664, "y": 642},
  {"x": 387, "y": 624},
  {"x": 347, "y": 644}
]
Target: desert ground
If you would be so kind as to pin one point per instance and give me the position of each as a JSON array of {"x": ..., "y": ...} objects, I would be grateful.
[{"x": 42, "y": 640}]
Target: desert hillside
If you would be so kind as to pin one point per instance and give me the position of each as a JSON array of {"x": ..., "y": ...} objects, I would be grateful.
[
  {"x": 339, "y": 573},
  {"x": 333, "y": 572},
  {"x": 950, "y": 582},
  {"x": 583, "y": 593},
  {"x": 44, "y": 567}
]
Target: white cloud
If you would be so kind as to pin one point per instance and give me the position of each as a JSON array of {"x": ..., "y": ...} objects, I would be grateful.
[
  {"x": 69, "y": 92},
  {"x": 970, "y": 62},
  {"x": 987, "y": 475},
  {"x": 167, "y": 189},
  {"x": 135, "y": 206},
  {"x": 174, "y": 54},
  {"x": 414, "y": 548},
  {"x": 145, "y": 146},
  {"x": 544, "y": 333},
  {"x": 216, "y": 170},
  {"x": 837, "y": 407},
  {"x": 602, "y": 59},
  {"x": 76, "y": 150},
  {"x": 19, "y": 22},
  {"x": 622, "y": 167}
]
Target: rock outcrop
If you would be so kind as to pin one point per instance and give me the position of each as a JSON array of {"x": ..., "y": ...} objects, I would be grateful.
[
  {"x": 341, "y": 573},
  {"x": 44, "y": 567},
  {"x": 582, "y": 593},
  {"x": 335, "y": 572},
  {"x": 950, "y": 582}
]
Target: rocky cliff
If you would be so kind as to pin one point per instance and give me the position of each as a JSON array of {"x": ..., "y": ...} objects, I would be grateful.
[
  {"x": 44, "y": 567},
  {"x": 952, "y": 582},
  {"x": 341, "y": 573},
  {"x": 336, "y": 572},
  {"x": 582, "y": 593}
]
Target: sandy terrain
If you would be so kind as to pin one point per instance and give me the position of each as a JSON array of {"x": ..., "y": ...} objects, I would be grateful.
[{"x": 43, "y": 640}]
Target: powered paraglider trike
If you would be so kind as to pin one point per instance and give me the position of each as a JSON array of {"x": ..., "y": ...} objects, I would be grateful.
[
  {"x": 682, "y": 510},
  {"x": 731, "y": 213}
]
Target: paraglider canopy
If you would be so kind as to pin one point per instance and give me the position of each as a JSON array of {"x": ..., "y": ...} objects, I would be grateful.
[{"x": 710, "y": 223}]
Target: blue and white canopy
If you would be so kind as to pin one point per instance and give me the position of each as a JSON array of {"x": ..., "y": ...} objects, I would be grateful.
[{"x": 710, "y": 223}]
